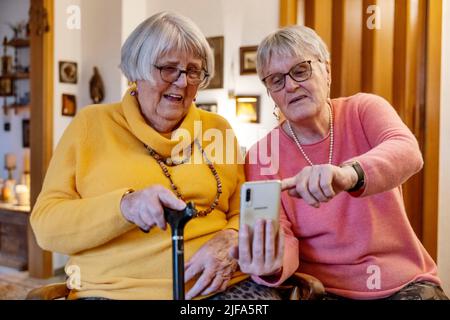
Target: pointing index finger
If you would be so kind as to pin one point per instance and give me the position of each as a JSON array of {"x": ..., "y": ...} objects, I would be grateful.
[{"x": 288, "y": 183}]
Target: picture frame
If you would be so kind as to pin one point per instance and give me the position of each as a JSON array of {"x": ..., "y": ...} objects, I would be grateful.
[
  {"x": 216, "y": 44},
  {"x": 25, "y": 133},
  {"x": 248, "y": 108},
  {"x": 68, "y": 72},
  {"x": 6, "y": 87},
  {"x": 69, "y": 105},
  {"x": 209, "y": 106},
  {"x": 247, "y": 57}
]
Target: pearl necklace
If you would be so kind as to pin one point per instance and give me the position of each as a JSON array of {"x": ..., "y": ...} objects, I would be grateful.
[{"x": 297, "y": 142}]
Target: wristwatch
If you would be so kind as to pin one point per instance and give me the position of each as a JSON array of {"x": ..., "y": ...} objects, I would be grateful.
[{"x": 359, "y": 171}]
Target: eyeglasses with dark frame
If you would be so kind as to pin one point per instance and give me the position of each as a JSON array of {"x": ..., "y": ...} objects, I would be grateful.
[
  {"x": 171, "y": 74},
  {"x": 300, "y": 72}
]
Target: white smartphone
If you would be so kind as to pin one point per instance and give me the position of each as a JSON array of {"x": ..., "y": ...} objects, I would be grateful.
[{"x": 260, "y": 200}]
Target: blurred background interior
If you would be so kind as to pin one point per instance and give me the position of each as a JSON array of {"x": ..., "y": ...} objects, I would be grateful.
[{"x": 49, "y": 49}]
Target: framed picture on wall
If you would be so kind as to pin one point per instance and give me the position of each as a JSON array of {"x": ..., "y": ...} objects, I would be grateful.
[
  {"x": 69, "y": 105},
  {"x": 68, "y": 72},
  {"x": 211, "y": 106},
  {"x": 247, "y": 109},
  {"x": 26, "y": 133},
  {"x": 248, "y": 59},
  {"x": 216, "y": 44}
]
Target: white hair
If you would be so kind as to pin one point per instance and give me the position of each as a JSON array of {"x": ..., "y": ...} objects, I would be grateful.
[
  {"x": 294, "y": 41},
  {"x": 158, "y": 35}
]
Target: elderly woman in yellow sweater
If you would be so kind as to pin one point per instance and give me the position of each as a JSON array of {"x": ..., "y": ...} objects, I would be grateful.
[{"x": 116, "y": 167}]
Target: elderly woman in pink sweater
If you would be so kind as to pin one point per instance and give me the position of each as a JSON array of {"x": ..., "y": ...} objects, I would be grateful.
[{"x": 342, "y": 163}]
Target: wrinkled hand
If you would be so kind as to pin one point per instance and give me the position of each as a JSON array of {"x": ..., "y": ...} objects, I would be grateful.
[
  {"x": 145, "y": 207},
  {"x": 215, "y": 263},
  {"x": 261, "y": 253},
  {"x": 320, "y": 183}
]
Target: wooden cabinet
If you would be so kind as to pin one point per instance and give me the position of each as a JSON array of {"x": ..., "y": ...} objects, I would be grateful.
[{"x": 13, "y": 236}]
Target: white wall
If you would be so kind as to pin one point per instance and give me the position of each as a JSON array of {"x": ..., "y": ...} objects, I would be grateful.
[
  {"x": 67, "y": 47},
  {"x": 444, "y": 160},
  {"x": 131, "y": 17},
  {"x": 242, "y": 23},
  {"x": 11, "y": 141},
  {"x": 101, "y": 42},
  {"x": 96, "y": 43}
]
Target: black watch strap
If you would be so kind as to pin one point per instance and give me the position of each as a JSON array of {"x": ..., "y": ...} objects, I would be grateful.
[{"x": 359, "y": 171}]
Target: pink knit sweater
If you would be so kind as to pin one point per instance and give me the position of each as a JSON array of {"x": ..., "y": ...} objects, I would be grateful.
[{"x": 359, "y": 247}]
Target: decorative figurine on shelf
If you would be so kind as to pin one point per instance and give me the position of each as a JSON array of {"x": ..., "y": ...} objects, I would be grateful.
[
  {"x": 19, "y": 29},
  {"x": 6, "y": 119},
  {"x": 10, "y": 164},
  {"x": 16, "y": 28},
  {"x": 8, "y": 187},
  {"x": 96, "y": 87},
  {"x": 6, "y": 60}
]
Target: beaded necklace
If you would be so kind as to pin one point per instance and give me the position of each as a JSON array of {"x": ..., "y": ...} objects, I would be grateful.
[{"x": 163, "y": 162}]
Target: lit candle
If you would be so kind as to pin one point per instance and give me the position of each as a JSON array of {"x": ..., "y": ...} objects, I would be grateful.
[
  {"x": 10, "y": 161},
  {"x": 26, "y": 161}
]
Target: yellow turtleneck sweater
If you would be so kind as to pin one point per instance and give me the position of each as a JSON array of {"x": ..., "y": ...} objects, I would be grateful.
[{"x": 100, "y": 156}]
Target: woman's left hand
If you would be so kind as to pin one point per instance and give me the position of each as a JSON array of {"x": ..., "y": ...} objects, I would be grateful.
[
  {"x": 261, "y": 252},
  {"x": 214, "y": 262}
]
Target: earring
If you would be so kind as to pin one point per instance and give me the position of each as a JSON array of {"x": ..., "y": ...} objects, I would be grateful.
[
  {"x": 276, "y": 112},
  {"x": 134, "y": 91}
]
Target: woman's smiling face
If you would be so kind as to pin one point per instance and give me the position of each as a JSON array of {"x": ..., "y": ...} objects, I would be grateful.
[{"x": 164, "y": 104}]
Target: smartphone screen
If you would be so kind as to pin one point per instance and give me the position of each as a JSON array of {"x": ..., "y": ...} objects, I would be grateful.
[{"x": 260, "y": 200}]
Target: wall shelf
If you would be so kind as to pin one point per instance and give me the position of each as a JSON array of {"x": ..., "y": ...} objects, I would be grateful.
[
  {"x": 16, "y": 76},
  {"x": 12, "y": 74},
  {"x": 18, "y": 43},
  {"x": 18, "y": 108}
]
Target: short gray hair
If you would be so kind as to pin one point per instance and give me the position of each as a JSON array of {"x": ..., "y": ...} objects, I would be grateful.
[
  {"x": 291, "y": 41},
  {"x": 156, "y": 36}
]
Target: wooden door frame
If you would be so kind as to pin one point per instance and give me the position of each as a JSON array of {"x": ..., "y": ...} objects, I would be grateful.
[{"x": 41, "y": 124}]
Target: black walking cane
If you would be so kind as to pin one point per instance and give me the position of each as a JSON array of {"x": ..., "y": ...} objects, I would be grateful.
[{"x": 177, "y": 221}]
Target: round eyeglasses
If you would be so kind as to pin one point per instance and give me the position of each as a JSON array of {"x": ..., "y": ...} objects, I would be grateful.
[
  {"x": 299, "y": 73},
  {"x": 171, "y": 74}
]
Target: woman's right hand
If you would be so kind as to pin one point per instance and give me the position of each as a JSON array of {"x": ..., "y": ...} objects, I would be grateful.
[{"x": 144, "y": 208}]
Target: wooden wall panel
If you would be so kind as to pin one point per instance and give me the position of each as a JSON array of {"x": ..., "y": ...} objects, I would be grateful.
[
  {"x": 346, "y": 47},
  {"x": 432, "y": 114},
  {"x": 384, "y": 51},
  {"x": 377, "y": 49},
  {"x": 288, "y": 12},
  {"x": 409, "y": 90},
  {"x": 318, "y": 15}
]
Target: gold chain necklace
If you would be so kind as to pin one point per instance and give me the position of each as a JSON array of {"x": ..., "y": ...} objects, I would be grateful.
[
  {"x": 297, "y": 142},
  {"x": 168, "y": 161}
]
